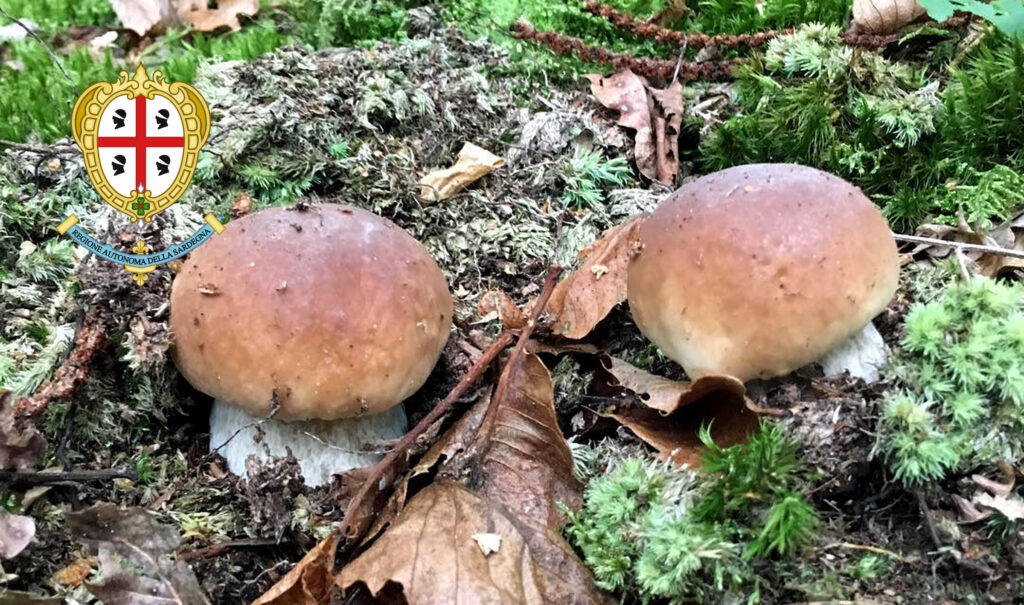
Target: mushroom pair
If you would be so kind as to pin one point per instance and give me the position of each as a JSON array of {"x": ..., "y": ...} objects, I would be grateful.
[
  {"x": 309, "y": 326},
  {"x": 757, "y": 270}
]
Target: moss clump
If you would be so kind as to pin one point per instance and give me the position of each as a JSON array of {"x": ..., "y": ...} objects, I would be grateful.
[
  {"x": 658, "y": 532},
  {"x": 960, "y": 397}
]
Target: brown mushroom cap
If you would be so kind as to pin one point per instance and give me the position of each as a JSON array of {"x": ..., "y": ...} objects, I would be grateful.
[
  {"x": 757, "y": 270},
  {"x": 336, "y": 311}
]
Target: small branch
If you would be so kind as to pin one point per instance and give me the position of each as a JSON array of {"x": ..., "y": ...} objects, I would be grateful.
[
  {"x": 217, "y": 549},
  {"x": 875, "y": 549},
  {"x": 47, "y": 150},
  {"x": 962, "y": 246},
  {"x": 53, "y": 56},
  {"x": 48, "y": 478},
  {"x": 382, "y": 476}
]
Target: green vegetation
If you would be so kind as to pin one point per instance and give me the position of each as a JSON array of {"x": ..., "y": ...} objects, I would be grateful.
[
  {"x": 587, "y": 174},
  {"x": 959, "y": 402},
  {"x": 650, "y": 529}
]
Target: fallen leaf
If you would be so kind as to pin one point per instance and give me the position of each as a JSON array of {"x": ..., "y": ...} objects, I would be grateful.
[
  {"x": 519, "y": 467},
  {"x": 16, "y": 532},
  {"x": 144, "y": 16},
  {"x": 584, "y": 298},
  {"x": 73, "y": 575},
  {"x": 994, "y": 487},
  {"x": 310, "y": 582},
  {"x": 503, "y": 308},
  {"x": 225, "y": 15},
  {"x": 666, "y": 395},
  {"x": 673, "y": 412},
  {"x": 1011, "y": 507},
  {"x": 473, "y": 163},
  {"x": 12, "y": 32},
  {"x": 655, "y": 114},
  {"x": 241, "y": 206},
  {"x": 136, "y": 555},
  {"x": 184, "y": 7},
  {"x": 21, "y": 445},
  {"x": 884, "y": 16}
]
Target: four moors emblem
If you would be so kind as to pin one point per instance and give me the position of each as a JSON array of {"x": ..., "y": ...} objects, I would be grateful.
[{"x": 140, "y": 139}]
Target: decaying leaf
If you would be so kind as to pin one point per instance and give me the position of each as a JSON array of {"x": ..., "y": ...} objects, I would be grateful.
[
  {"x": 225, "y": 15},
  {"x": 665, "y": 395},
  {"x": 655, "y": 115},
  {"x": 21, "y": 445},
  {"x": 310, "y": 582},
  {"x": 1011, "y": 507},
  {"x": 16, "y": 531},
  {"x": 1008, "y": 235},
  {"x": 673, "y": 412},
  {"x": 76, "y": 573},
  {"x": 145, "y": 16},
  {"x": 585, "y": 296},
  {"x": 473, "y": 163},
  {"x": 136, "y": 555},
  {"x": 884, "y": 16},
  {"x": 521, "y": 468},
  {"x": 503, "y": 309}
]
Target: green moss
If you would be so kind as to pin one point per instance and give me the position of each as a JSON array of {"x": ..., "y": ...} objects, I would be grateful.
[
  {"x": 588, "y": 174},
  {"x": 659, "y": 532},
  {"x": 960, "y": 396},
  {"x": 52, "y": 15}
]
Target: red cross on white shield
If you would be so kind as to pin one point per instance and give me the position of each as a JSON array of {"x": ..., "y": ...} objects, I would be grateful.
[{"x": 141, "y": 139}]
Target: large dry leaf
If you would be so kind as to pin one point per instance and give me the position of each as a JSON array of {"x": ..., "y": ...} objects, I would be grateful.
[
  {"x": 473, "y": 163},
  {"x": 581, "y": 300},
  {"x": 136, "y": 555},
  {"x": 21, "y": 445},
  {"x": 310, "y": 582},
  {"x": 225, "y": 15},
  {"x": 655, "y": 115},
  {"x": 16, "y": 531},
  {"x": 516, "y": 467},
  {"x": 1011, "y": 507},
  {"x": 884, "y": 16},
  {"x": 665, "y": 395},
  {"x": 145, "y": 16},
  {"x": 495, "y": 304},
  {"x": 673, "y": 412}
]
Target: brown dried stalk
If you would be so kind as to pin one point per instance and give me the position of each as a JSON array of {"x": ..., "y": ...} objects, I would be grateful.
[
  {"x": 664, "y": 35},
  {"x": 644, "y": 66}
]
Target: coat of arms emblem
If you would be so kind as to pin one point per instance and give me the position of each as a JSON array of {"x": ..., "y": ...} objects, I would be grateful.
[{"x": 140, "y": 138}]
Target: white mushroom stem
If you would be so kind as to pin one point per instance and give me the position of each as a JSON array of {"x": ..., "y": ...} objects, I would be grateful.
[
  {"x": 322, "y": 447},
  {"x": 862, "y": 355}
]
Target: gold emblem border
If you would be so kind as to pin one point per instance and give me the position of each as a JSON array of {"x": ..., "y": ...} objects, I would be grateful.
[{"x": 195, "y": 117}]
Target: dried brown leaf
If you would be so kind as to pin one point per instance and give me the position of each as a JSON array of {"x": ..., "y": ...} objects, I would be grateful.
[
  {"x": 473, "y": 164},
  {"x": 1011, "y": 507},
  {"x": 225, "y": 15},
  {"x": 503, "y": 308},
  {"x": 74, "y": 574},
  {"x": 665, "y": 395},
  {"x": 655, "y": 114},
  {"x": 884, "y": 16},
  {"x": 521, "y": 468},
  {"x": 136, "y": 555},
  {"x": 145, "y": 16},
  {"x": 1008, "y": 235},
  {"x": 586, "y": 295},
  {"x": 16, "y": 532},
  {"x": 21, "y": 445},
  {"x": 310, "y": 582},
  {"x": 674, "y": 412}
]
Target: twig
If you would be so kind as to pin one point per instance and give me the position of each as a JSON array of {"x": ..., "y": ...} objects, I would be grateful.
[
  {"x": 376, "y": 478},
  {"x": 47, "y": 150},
  {"x": 910, "y": 560},
  {"x": 929, "y": 520},
  {"x": 53, "y": 56},
  {"x": 382, "y": 476},
  {"x": 961, "y": 245},
  {"x": 275, "y": 406},
  {"x": 50, "y": 478},
  {"x": 216, "y": 549}
]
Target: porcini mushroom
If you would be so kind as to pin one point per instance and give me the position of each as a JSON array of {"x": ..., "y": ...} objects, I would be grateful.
[
  {"x": 324, "y": 317},
  {"x": 757, "y": 270}
]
